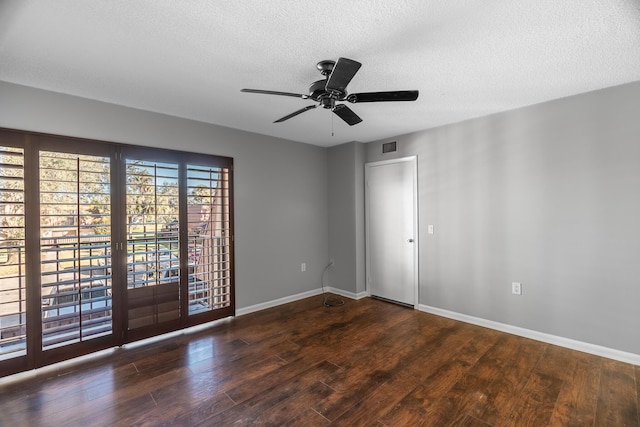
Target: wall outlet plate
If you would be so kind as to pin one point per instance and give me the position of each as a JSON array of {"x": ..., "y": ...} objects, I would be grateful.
[{"x": 516, "y": 288}]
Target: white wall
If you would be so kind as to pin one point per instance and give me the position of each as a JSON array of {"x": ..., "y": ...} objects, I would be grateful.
[
  {"x": 547, "y": 195},
  {"x": 280, "y": 186}
]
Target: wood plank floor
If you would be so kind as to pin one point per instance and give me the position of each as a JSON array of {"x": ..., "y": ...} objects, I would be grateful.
[{"x": 302, "y": 364}]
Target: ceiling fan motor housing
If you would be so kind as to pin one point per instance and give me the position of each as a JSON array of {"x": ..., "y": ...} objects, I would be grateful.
[
  {"x": 318, "y": 93},
  {"x": 325, "y": 67}
]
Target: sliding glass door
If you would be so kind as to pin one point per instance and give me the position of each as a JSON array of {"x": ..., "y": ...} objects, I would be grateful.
[
  {"x": 75, "y": 247},
  {"x": 74, "y": 266},
  {"x": 178, "y": 240},
  {"x": 103, "y": 244},
  {"x": 152, "y": 245},
  {"x": 209, "y": 238}
]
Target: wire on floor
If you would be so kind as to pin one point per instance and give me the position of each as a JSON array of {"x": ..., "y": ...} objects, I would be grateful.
[{"x": 329, "y": 301}]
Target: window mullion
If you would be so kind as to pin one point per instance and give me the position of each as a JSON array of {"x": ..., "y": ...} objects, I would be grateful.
[
  {"x": 32, "y": 252},
  {"x": 183, "y": 241}
]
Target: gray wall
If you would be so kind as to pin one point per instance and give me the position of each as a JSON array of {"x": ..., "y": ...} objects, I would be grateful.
[
  {"x": 547, "y": 195},
  {"x": 346, "y": 216},
  {"x": 280, "y": 186},
  {"x": 360, "y": 265}
]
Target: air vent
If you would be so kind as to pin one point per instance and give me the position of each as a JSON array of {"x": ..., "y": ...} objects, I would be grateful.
[{"x": 389, "y": 147}]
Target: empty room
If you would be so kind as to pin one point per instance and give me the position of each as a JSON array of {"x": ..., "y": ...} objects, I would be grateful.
[{"x": 311, "y": 213}]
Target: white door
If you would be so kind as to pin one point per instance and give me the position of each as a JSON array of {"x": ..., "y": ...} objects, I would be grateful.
[{"x": 391, "y": 229}]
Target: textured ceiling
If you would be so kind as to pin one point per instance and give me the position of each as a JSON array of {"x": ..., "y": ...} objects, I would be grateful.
[{"x": 190, "y": 58}]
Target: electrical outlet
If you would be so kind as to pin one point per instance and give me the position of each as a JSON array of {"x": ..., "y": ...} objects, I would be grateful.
[
  {"x": 303, "y": 266},
  {"x": 516, "y": 288}
]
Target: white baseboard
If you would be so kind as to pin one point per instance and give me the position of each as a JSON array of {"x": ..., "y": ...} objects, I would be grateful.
[
  {"x": 598, "y": 350},
  {"x": 347, "y": 294},
  {"x": 276, "y": 302}
]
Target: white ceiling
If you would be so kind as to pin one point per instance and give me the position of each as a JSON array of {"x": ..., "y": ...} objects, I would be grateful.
[{"x": 190, "y": 58}]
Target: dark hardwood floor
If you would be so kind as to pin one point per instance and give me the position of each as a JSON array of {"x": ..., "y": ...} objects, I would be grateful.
[{"x": 301, "y": 364}]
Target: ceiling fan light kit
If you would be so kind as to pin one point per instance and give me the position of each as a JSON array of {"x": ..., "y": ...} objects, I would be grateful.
[{"x": 333, "y": 88}]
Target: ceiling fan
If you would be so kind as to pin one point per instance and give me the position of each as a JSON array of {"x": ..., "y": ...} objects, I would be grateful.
[{"x": 332, "y": 89}]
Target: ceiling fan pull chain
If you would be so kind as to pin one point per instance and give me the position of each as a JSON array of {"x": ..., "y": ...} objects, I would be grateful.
[{"x": 331, "y": 124}]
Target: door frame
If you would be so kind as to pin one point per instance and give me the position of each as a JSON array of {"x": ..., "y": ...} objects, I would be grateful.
[{"x": 414, "y": 167}]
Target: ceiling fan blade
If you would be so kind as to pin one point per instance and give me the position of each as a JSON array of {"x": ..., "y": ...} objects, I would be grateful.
[
  {"x": 346, "y": 114},
  {"x": 295, "y": 113},
  {"x": 398, "y": 95},
  {"x": 273, "y": 92},
  {"x": 343, "y": 71}
]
